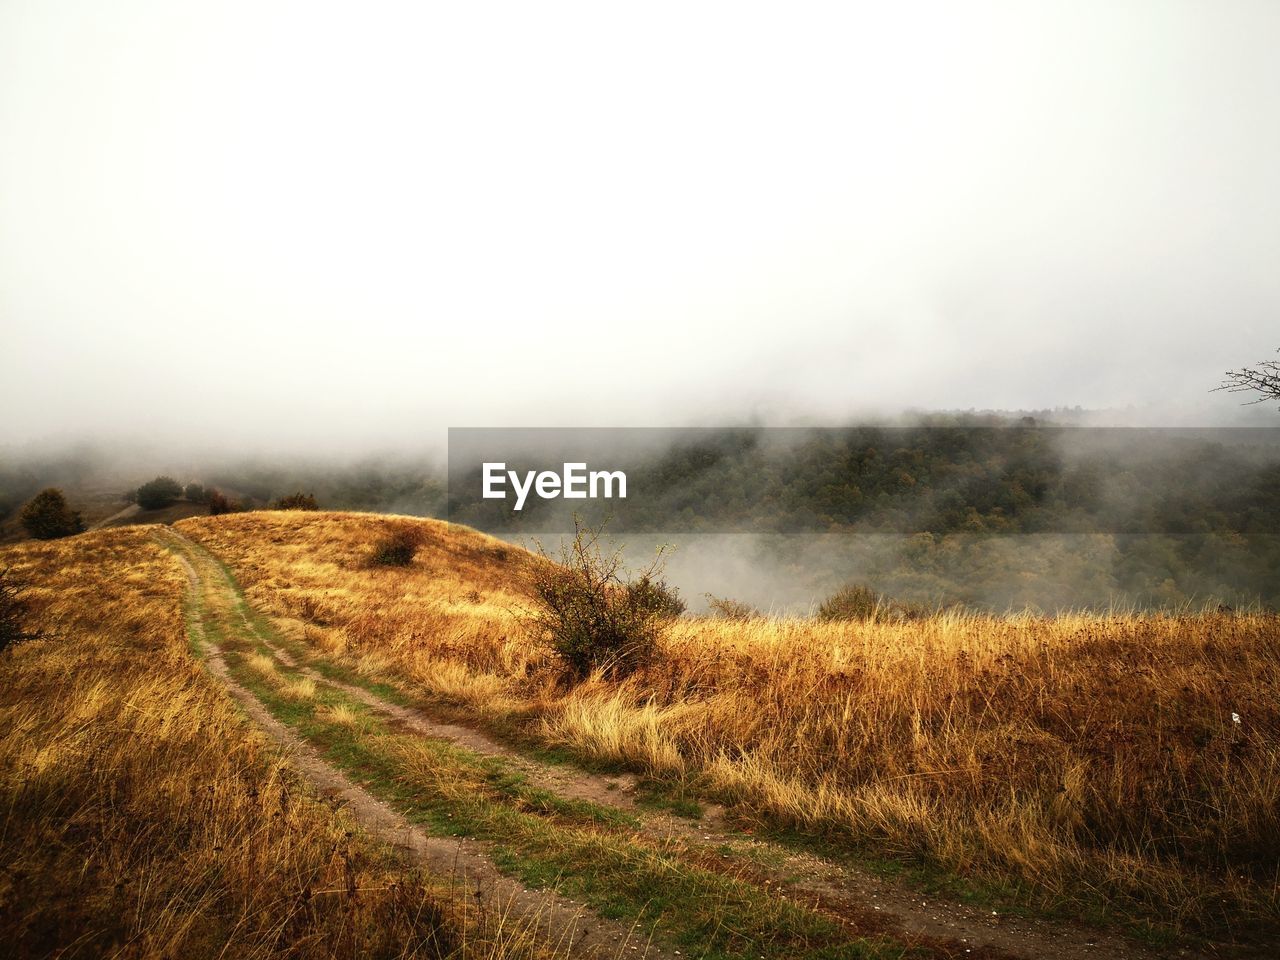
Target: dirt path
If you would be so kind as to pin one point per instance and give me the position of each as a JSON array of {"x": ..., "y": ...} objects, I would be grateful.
[
  {"x": 567, "y": 928},
  {"x": 127, "y": 512},
  {"x": 832, "y": 888}
]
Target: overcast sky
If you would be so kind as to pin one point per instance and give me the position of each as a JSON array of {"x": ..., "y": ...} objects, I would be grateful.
[{"x": 355, "y": 224}]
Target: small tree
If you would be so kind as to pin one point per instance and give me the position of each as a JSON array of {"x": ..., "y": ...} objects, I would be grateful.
[
  {"x": 594, "y": 617},
  {"x": 196, "y": 493},
  {"x": 219, "y": 504},
  {"x": 13, "y": 613},
  {"x": 1262, "y": 379},
  {"x": 159, "y": 492},
  {"x": 47, "y": 516},
  {"x": 297, "y": 501}
]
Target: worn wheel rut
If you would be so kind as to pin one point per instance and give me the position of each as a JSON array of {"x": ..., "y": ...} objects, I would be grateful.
[
  {"x": 564, "y": 927},
  {"x": 832, "y": 888}
]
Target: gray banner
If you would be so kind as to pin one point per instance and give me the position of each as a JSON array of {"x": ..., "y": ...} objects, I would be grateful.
[{"x": 1025, "y": 478}]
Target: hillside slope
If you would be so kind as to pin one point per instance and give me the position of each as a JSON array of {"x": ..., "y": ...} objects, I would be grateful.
[
  {"x": 745, "y": 795},
  {"x": 311, "y": 570},
  {"x": 144, "y": 817},
  {"x": 1122, "y": 768}
]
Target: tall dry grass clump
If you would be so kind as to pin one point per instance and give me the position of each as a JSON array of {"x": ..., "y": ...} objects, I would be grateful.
[
  {"x": 1129, "y": 762},
  {"x": 143, "y": 817}
]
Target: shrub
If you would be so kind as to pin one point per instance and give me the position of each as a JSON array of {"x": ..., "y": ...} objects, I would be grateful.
[
  {"x": 595, "y": 619},
  {"x": 860, "y": 602},
  {"x": 47, "y": 516},
  {"x": 219, "y": 504},
  {"x": 657, "y": 596},
  {"x": 196, "y": 493},
  {"x": 724, "y": 608},
  {"x": 159, "y": 492},
  {"x": 13, "y": 613},
  {"x": 398, "y": 548},
  {"x": 296, "y": 501}
]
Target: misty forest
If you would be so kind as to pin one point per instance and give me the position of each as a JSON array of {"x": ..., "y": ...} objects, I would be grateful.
[{"x": 993, "y": 513}]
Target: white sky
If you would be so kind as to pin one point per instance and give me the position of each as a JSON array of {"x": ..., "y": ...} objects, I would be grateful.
[{"x": 296, "y": 223}]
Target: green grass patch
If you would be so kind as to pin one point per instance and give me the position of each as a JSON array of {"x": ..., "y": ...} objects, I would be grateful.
[{"x": 670, "y": 797}]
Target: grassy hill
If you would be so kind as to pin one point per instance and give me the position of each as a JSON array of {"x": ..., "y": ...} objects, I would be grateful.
[
  {"x": 144, "y": 817},
  {"x": 1050, "y": 755},
  {"x": 1121, "y": 770}
]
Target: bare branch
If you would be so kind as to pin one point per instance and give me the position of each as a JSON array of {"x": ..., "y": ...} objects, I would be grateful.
[{"x": 1262, "y": 379}]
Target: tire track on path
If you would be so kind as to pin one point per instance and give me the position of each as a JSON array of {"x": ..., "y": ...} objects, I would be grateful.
[{"x": 566, "y": 927}]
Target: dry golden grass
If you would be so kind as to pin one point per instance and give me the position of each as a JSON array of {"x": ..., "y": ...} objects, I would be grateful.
[
  {"x": 1133, "y": 760},
  {"x": 143, "y": 817},
  {"x": 304, "y": 689},
  {"x": 342, "y": 715},
  {"x": 261, "y": 663}
]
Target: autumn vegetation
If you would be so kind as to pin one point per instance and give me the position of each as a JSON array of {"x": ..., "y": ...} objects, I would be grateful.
[
  {"x": 145, "y": 817},
  {"x": 596, "y": 617},
  {"x": 49, "y": 517},
  {"x": 1119, "y": 768},
  {"x": 158, "y": 493},
  {"x": 1114, "y": 766},
  {"x": 15, "y": 618},
  {"x": 296, "y": 501}
]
